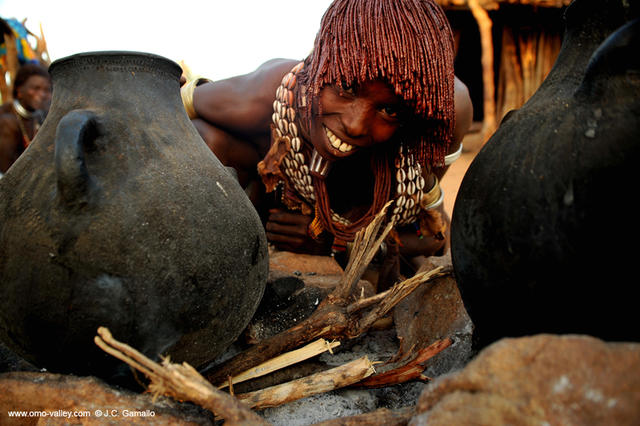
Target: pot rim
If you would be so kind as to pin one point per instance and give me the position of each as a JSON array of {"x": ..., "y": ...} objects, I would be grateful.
[{"x": 109, "y": 54}]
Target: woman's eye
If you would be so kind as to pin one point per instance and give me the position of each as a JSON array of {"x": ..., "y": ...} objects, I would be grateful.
[{"x": 390, "y": 111}]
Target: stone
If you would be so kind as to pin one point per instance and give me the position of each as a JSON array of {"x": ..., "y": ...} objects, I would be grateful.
[
  {"x": 285, "y": 261},
  {"x": 95, "y": 402},
  {"x": 296, "y": 285},
  {"x": 435, "y": 311},
  {"x": 539, "y": 380}
]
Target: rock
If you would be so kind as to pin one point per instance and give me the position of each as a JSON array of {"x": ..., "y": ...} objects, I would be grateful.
[
  {"x": 432, "y": 312},
  {"x": 284, "y": 261},
  {"x": 296, "y": 285},
  {"x": 285, "y": 303},
  {"x": 10, "y": 361},
  {"x": 94, "y": 401},
  {"x": 541, "y": 380}
]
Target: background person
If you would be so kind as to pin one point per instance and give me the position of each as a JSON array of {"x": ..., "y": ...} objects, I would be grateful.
[{"x": 21, "y": 118}]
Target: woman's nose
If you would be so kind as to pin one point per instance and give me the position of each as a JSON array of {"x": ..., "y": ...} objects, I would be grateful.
[{"x": 356, "y": 120}]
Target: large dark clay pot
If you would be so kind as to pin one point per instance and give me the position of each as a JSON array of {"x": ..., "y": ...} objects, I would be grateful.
[
  {"x": 545, "y": 223},
  {"x": 118, "y": 215}
]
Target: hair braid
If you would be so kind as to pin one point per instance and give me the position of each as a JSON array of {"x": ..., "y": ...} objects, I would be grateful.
[{"x": 407, "y": 43}]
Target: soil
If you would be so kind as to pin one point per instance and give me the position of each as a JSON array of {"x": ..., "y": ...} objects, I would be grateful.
[{"x": 472, "y": 143}]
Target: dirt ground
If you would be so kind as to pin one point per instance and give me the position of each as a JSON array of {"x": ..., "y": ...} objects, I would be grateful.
[{"x": 453, "y": 178}]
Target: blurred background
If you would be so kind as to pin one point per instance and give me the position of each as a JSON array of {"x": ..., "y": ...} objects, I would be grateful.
[
  {"x": 504, "y": 48},
  {"x": 213, "y": 38}
]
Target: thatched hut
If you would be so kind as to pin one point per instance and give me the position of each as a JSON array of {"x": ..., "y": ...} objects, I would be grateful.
[{"x": 505, "y": 48}]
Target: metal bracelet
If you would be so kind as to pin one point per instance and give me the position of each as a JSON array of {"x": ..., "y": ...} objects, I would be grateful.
[{"x": 450, "y": 158}]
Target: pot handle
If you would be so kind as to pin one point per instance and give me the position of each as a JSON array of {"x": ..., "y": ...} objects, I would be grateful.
[{"x": 76, "y": 129}]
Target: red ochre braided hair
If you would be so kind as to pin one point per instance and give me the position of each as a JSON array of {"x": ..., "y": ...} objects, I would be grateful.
[{"x": 407, "y": 43}]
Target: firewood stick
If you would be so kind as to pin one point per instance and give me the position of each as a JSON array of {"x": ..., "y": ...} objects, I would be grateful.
[
  {"x": 380, "y": 417},
  {"x": 314, "y": 384},
  {"x": 331, "y": 320},
  {"x": 282, "y": 361},
  {"x": 410, "y": 371},
  {"x": 328, "y": 322},
  {"x": 182, "y": 382},
  {"x": 361, "y": 304},
  {"x": 365, "y": 247}
]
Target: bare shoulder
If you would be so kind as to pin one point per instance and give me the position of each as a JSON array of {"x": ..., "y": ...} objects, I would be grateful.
[
  {"x": 8, "y": 120},
  {"x": 463, "y": 110},
  {"x": 243, "y": 103}
]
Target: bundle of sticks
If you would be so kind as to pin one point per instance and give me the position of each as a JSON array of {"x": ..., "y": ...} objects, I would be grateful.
[{"x": 339, "y": 316}]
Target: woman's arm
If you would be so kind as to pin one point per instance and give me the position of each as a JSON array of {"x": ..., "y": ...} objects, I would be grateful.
[{"x": 242, "y": 105}]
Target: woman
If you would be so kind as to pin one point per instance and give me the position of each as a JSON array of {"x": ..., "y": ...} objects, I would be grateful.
[
  {"x": 21, "y": 118},
  {"x": 366, "y": 118}
]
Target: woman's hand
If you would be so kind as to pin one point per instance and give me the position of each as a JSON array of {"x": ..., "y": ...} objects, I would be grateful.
[{"x": 288, "y": 231}]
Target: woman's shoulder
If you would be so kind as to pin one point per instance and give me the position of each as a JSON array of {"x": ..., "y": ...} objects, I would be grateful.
[
  {"x": 243, "y": 103},
  {"x": 267, "y": 77}
]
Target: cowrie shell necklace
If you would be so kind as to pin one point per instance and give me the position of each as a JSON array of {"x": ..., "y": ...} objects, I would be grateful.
[{"x": 409, "y": 179}]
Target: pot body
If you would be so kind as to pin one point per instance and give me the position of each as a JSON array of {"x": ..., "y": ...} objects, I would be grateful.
[
  {"x": 544, "y": 217},
  {"x": 118, "y": 215}
]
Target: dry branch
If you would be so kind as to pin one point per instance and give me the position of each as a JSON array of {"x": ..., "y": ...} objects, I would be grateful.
[
  {"x": 181, "y": 382},
  {"x": 314, "y": 384},
  {"x": 380, "y": 417},
  {"x": 331, "y": 320},
  {"x": 282, "y": 361},
  {"x": 410, "y": 371},
  {"x": 337, "y": 317}
]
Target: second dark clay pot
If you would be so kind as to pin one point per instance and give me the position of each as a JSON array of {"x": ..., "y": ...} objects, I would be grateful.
[{"x": 545, "y": 220}]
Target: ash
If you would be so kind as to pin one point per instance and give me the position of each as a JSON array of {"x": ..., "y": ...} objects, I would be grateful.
[{"x": 378, "y": 346}]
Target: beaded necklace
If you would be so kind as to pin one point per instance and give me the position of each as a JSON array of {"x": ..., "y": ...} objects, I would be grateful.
[{"x": 408, "y": 176}]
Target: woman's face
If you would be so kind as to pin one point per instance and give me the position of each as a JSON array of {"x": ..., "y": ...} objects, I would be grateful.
[
  {"x": 349, "y": 119},
  {"x": 35, "y": 93}
]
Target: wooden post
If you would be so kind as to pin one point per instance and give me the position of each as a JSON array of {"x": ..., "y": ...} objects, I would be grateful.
[{"x": 484, "y": 24}]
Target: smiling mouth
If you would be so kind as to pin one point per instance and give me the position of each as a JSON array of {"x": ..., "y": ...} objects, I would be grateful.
[{"x": 337, "y": 143}]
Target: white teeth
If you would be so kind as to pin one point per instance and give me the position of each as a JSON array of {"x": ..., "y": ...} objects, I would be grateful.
[
  {"x": 337, "y": 143},
  {"x": 345, "y": 147}
]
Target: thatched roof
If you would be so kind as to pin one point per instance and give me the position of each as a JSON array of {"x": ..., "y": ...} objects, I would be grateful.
[{"x": 494, "y": 4}]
